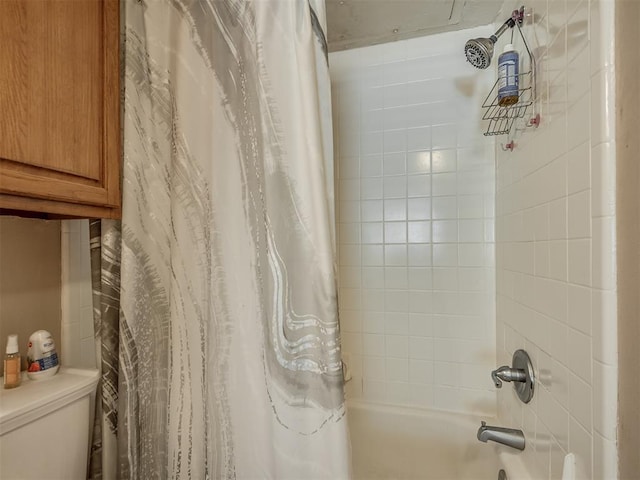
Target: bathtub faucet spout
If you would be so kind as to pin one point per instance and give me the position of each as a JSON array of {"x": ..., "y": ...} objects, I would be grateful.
[{"x": 506, "y": 436}]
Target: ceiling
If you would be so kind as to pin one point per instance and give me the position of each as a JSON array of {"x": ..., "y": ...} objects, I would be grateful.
[{"x": 357, "y": 23}]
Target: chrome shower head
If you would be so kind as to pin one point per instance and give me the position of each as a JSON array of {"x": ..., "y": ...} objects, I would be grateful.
[{"x": 480, "y": 50}]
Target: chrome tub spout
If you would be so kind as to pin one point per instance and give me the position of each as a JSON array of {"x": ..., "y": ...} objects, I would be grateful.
[{"x": 506, "y": 436}]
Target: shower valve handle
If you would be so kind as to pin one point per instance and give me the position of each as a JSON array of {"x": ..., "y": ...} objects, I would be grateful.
[{"x": 508, "y": 374}]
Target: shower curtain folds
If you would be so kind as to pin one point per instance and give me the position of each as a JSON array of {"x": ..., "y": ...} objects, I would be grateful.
[{"x": 229, "y": 355}]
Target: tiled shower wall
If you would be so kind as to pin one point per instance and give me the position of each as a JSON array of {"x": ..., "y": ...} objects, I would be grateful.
[
  {"x": 415, "y": 197},
  {"x": 78, "y": 344},
  {"x": 555, "y": 219}
]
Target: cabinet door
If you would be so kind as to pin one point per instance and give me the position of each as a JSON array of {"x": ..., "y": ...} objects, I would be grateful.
[{"x": 60, "y": 106}]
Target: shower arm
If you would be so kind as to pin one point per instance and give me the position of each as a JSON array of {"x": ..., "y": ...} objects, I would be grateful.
[{"x": 505, "y": 26}]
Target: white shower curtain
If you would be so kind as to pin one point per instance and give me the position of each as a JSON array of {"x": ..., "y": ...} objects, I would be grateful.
[{"x": 229, "y": 363}]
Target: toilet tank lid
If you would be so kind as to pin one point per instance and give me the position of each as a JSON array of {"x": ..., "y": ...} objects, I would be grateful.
[{"x": 36, "y": 398}]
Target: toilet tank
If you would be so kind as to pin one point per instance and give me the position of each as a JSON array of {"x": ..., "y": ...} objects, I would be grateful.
[{"x": 45, "y": 426}]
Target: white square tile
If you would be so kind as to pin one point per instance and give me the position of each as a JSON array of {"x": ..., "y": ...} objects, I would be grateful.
[
  {"x": 398, "y": 346},
  {"x": 445, "y": 231},
  {"x": 419, "y": 139},
  {"x": 421, "y": 372},
  {"x": 443, "y": 161},
  {"x": 395, "y": 210},
  {"x": 580, "y": 394},
  {"x": 444, "y": 207},
  {"x": 473, "y": 255},
  {"x": 374, "y": 366},
  {"x": 372, "y": 232},
  {"x": 370, "y": 143},
  {"x": 394, "y": 118},
  {"x": 421, "y": 348},
  {"x": 371, "y": 166},
  {"x": 396, "y": 323},
  {"x": 395, "y": 232},
  {"x": 420, "y": 302},
  {"x": 419, "y": 208},
  {"x": 371, "y": 210},
  {"x": 373, "y": 322},
  {"x": 396, "y": 301},
  {"x": 419, "y": 278},
  {"x": 470, "y": 230},
  {"x": 444, "y": 136},
  {"x": 395, "y": 255},
  {"x": 419, "y": 162},
  {"x": 394, "y": 141},
  {"x": 579, "y": 308},
  {"x": 445, "y": 255},
  {"x": 558, "y": 259},
  {"x": 579, "y": 215},
  {"x": 372, "y": 255},
  {"x": 419, "y": 255},
  {"x": 469, "y": 206},
  {"x": 579, "y": 260},
  {"x": 445, "y": 279},
  {"x": 396, "y": 277},
  {"x": 374, "y": 390},
  {"x": 579, "y": 354},
  {"x": 395, "y": 187},
  {"x": 419, "y": 185},
  {"x": 371, "y": 189},
  {"x": 444, "y": 184},
  {"x": 421, "y": 395},
  {"x": 420, "y": 325},
  {"x": 394, "y": 164},
  {"x": 419, "y": 232}
]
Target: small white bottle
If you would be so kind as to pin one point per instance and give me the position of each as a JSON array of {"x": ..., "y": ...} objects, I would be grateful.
[{"x": 12, "y": 363}]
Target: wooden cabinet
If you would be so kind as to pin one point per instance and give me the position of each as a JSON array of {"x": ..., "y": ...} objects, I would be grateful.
[{"x": 60, "y": 107}]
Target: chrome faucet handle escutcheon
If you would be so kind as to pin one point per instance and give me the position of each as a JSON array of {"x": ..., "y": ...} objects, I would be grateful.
[{"x": 522, "y": 375}]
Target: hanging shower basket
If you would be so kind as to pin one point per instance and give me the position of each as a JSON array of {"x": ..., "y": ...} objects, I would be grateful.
[{"x": 502, "y": 118}]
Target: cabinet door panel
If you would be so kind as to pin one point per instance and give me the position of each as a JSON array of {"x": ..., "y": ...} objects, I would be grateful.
[{"x": 59, "y": 100}]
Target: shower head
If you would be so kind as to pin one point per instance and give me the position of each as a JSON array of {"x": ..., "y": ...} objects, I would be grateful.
[{"x": 480, "y": 50}]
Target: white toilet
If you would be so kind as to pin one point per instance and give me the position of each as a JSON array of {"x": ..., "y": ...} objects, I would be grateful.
[{"x": 45, "y": 426}]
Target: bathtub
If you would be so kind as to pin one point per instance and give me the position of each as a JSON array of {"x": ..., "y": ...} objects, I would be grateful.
[{"x": 396, "y": 443}]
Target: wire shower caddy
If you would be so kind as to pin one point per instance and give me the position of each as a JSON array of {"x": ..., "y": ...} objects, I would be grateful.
[{"x": 502, "y": 118}]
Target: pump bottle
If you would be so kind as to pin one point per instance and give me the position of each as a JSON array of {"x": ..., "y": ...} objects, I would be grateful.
[{"x": 12, "y": 363}]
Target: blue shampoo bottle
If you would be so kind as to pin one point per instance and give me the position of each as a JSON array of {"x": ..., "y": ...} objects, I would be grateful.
[{"x": 508, "y": 78}]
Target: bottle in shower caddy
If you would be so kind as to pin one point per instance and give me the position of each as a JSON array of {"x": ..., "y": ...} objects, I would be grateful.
[
  {"x": 508, "y": 76},
  {"x": 12, "y": 363}
]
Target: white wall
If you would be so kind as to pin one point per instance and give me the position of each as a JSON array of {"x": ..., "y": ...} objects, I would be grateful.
[
  {"x": 555, "y": 219},
  {"x": 78, "y": 344},
  {"x": 415, "y": 197}
]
